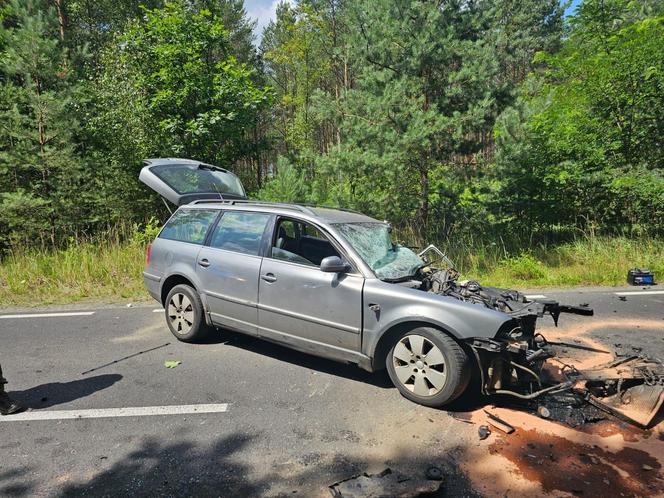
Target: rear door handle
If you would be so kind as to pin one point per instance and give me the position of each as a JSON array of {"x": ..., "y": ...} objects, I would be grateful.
[
  {"x": 204, "y": 263},
  {"x": 269, "y": 277}
]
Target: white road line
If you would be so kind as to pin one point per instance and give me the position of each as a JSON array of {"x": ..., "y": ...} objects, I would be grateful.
[
  {"x": 536, "y": 296},
  {"x": 159, "y": 310},
  {"x": 49, "y": 315},
  {"x": 639, "y": 293},
  {"x": 144, "y": 411}
]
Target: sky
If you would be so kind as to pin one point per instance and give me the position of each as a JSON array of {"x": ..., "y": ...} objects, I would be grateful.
[{"x": 265, "y": 10}]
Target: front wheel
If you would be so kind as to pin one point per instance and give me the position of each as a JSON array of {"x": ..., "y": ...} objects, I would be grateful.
[
  {"x": 185, "y": 314},
  {"x": 428, "y": 367}
]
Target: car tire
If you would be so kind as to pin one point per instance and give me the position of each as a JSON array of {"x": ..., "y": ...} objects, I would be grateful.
[
  {"x": 428, "y": 367},
  {"x": 185, "y": 315}
]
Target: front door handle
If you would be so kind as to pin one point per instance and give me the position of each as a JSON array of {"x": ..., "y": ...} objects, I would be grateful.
[
  {"x": 269, "y": 277},
  {"x": 204, "y": 263}
]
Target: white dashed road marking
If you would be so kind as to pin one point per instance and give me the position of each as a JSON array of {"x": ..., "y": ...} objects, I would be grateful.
[
  {"x": 536, "y": 296},
  {"x": 639, "y": 293},
  {"x": 158, "y": 310},
  {"x": 144, "y": 411},
  {"x": 49, "y": 315}
]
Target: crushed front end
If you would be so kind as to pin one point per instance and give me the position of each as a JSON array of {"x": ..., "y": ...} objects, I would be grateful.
[{"x": 512, "y": 362}]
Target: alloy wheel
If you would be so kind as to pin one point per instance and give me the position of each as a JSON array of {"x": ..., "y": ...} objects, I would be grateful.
[
  {"x": 419, "y": 365},
  {"x": 180, "y": 313}
]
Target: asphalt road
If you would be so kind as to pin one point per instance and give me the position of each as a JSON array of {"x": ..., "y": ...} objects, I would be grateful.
[{"x": 281, "y": 422}]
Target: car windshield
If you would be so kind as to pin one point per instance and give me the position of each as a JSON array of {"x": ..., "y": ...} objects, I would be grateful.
[{"x": 372, "y": 241}]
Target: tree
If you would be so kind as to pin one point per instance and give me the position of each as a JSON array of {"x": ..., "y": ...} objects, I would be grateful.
[
  {"x": 171, "y": 86},
  {"x": 582, "y": 147},
  {"x": 40, "y": 173},
  {"x": 420, "y": 86}
]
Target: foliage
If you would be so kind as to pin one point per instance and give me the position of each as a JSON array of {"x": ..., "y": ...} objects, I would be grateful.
[
  {"x": 494, "y": 127},
  {"x": 582, "y": 146}
]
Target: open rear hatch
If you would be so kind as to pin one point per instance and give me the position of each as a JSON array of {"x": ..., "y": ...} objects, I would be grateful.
[{"x": 181, "y": 181}]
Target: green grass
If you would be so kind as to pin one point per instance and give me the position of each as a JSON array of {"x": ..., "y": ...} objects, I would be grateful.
[
  {"x": 87, "y": 271},
  {"x": 583, "y": 262},
  {"x": 109, "y": 270}
]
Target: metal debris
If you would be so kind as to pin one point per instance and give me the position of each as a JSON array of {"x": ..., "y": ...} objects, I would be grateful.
[
  {"x": 499, "y": 423},
  {"x": 383, "y": 484},
  {"x": 483, "y": 432},
  {"x": 511, "y": 363}
]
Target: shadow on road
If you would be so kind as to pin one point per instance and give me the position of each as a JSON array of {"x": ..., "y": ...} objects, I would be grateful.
[
  {"x": 56, "y": 393},
  {"x": 305, "y": 360},
  {"x": 184, "y": 468}
]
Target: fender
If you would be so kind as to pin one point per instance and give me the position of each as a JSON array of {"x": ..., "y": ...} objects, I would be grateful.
[
  {"x": 197, "y": 287},
  {"x": 387, "y": 305}
]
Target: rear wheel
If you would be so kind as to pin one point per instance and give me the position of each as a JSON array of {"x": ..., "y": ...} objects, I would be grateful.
[
  {"x": 185, "y": 315},
  {"x": 428, "y": 367}
]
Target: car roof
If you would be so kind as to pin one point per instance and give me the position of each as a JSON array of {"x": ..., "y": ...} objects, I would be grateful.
[{"x": 326, "y": 214}]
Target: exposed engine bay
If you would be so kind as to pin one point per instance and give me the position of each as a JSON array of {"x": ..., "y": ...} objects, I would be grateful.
[{"x": 512, "y": 363}]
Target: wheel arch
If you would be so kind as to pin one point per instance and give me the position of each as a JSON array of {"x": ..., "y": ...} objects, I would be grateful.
[
  {"x": 172, "y": 281},
  {"x": 387, "y": 339},
  {"x": 178, "y": 279}
]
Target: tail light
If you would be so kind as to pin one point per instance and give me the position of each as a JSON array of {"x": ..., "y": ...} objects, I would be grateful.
[{"x": 148, "y": 253}]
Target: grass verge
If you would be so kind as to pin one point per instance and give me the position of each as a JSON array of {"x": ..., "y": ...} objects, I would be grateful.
[
  {"x": 87, "y": 271},
  {"x": 111, "y": 271}
]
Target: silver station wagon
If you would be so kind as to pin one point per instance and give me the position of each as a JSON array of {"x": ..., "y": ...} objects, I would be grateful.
[{"x": 332, "y": 283}]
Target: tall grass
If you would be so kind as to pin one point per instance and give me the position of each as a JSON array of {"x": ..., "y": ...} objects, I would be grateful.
[
  {"x": 109, "y": 267},
  {"x": 584, "y": 261},
  {"x": 557, "y": 260}
]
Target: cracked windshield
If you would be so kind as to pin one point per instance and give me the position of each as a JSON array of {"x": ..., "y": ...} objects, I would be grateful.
[{"x": 373, "y": 242}]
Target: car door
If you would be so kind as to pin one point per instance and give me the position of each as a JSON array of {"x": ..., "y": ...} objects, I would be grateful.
[
  {"x": 228, "y": 267},
  {"x": 300, "y": 305},
  {"x": 182, "y": 181}
]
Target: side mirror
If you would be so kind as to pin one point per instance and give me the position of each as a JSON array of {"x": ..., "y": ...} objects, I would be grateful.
[{"x": 334, "y": 264}]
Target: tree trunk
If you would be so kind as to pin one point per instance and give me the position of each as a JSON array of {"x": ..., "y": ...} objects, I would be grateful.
[
  {"x": 62, "y": 19},
  {"x": 423, "y": 211}
]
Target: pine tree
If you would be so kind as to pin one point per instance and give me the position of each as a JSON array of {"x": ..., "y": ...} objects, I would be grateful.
[
  {"x": 421, "y": 76},
  {"x": 38, "y": 164}
]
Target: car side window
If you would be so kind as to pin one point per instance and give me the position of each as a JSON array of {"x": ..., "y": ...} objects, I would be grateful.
[
  {"x": 240, "y": 231},
  {"x": 189, "y": 225},
  {"x": 301, "y": 243}
]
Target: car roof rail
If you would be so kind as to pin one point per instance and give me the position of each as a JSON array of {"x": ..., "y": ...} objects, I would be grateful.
[
  {"x": 346, "y": 210},
  {"x": 233, "y": 202}
]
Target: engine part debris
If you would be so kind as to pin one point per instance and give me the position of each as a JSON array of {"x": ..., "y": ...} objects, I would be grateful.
[
  {"x": 483, "y": 432},
  {"x": 385, "y": 483},
  {"x": 638, "y": 404},
  {"x": 568, "y": 408},
  {"x": 511, "y": 363},
  {"x": 499, "y": 423}
]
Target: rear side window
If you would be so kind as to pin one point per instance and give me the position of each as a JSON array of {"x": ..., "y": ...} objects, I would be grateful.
[
  {"x": 189, "y": 225},
  {"x": 240, "y": 232}
]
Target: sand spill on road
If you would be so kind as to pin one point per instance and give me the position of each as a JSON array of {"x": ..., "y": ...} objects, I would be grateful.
[{"x": 545, "y": 458}]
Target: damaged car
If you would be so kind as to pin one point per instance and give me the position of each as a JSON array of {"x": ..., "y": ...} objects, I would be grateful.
[{"x": 333, "y": 283}]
